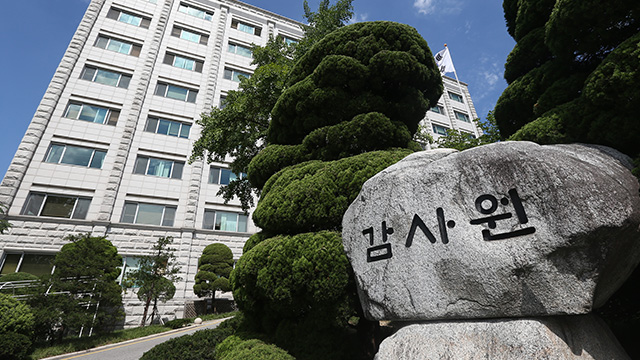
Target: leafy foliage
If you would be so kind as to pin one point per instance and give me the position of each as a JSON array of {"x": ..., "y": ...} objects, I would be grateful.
[
  {"x": 214, "y": 268},
  {"x": 584, "y": 89},
  {"x": 234, "y": 347},
  {"x": 85, "y": 273},
  {"x": 239, "y": 129},
  {"x": 295, "y": 277},
  {"x": 155, "y": 276},
  {"x": 365, "y": 132},
  {"x": 15, "y": 317},
  {"x": 327, "y": 19},
  {"x": 14, "y": 346},
  {"x": 379, "y": 66},
  {"x": 201, "y": 345},
  {"x": 313, "y": 196},
  {"x": 586, "y": 31},
  {"x": 17, "y": 276},
  {"x": 461, "y": 141}
]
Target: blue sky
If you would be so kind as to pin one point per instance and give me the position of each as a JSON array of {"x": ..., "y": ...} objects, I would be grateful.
[{"x": 34, "y": 35}]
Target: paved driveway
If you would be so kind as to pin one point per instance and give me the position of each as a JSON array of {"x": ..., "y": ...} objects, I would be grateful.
[{"x": 133, "y": 349}]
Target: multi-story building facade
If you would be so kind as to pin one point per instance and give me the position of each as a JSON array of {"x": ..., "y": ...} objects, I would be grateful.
[
  {"x": 454, "y": 111},
  {"x": 107, "y": 150}
]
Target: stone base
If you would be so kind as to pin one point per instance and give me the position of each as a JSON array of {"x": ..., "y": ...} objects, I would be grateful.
[{"x": 551, "y": 338}]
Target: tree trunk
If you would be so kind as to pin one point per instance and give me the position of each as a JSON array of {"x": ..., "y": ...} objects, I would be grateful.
[{"x": 146, "y": 309}]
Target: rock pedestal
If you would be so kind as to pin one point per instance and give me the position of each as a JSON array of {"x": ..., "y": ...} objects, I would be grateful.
[
  {"x": 511, "y": 229},
  {"x": 550, "y": 338}
]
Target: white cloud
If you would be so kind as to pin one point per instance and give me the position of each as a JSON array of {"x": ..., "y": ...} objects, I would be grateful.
[
  {"x": 356, "y": 18},
  {"x": 491, "y": 78},
  {"x": 427, "y": 7},
  {"x": 424, "y": 6}
]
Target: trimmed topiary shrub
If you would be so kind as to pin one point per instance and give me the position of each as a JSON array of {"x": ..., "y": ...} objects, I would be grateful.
[
  {"x": 214, "y": 267},
  {"x": 271, "y": 159},
  {"x": 199, "y": 346},
  {"x": 233, "y": 348},
  {"x": 295, "y": 277},
  {"x": 610, "y": 96},
  {"x": 254, "y": 240},
  {"x": 365, "y": 132},
  {"x": 313, "y": 196},
  {"x": 366, "y": 67}
]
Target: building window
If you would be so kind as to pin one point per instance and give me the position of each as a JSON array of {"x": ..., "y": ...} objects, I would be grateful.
[
  {"x": 167, "y": 127},
  {"x": 106, "y": 77},
  {"x": 128, "y": 18},
  {"x": 438, "y": 109},
  {"x": 190, "y": 35},
  {"x": 440, "y": 130},
  {"x": 222, "y": 176},
  {"x": 194, "y": 11},
  {"x": 455, "y": 97},
  {"x": 157, "y": 167},
  {"x": 63, "y": 206},
  {"x": 240, "y": 50},
  {"x": 96, "y": 114},
  {"x": 461, "y": 116},
  {"x": 75, "y": 155},
  {"x": 244, "y": 27},
  {"x": 129, "y": 265},
  {"x": 183, "y": 62},
  {"x": 176, "y": 92},
  {"x": 34, "y": 264},
  {"x": 234, "y": 75},
  {"x": 223, "y": 102},
  {"x": 123, "y": 47},
  {"x": 225, "y": 221},
  {"x": 148, "y": 214},
  {"x": 469, "y": 135},
  {"x": 288, "y": 40}
]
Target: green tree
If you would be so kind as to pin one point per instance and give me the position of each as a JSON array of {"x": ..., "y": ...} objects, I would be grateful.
[
  {"x": 16, "y": 328},
  {"x": 573, "y": 77},
  {"x": 461, "y": 141},
  {"x": 214, "y": 268},
  {"x": 86, "y": 294},
  {"x": 155, "y": 277},
  {"x": 239, "y": 128},
  {"x": 351, "y": 107}
]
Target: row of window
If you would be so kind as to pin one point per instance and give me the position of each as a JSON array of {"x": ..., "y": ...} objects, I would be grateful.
[
  {"x": 144, "y": 22},
  {"x": 75, "y": 207},
  {"x": 144, "y": 165},
  {"x": 177, "y": 31},
  {"x": 102, "y": 115},
  {"x": 458, "y": 115},
  {"x": 442, "y": 130}
]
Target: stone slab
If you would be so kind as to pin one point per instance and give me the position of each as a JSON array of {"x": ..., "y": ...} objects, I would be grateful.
[
  {"x": 551, "y": 338},
  {"x": 510, "y": 229}
]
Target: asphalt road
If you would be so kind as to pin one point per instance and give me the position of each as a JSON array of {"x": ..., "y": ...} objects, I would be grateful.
[{"x": 133, "y": 349}]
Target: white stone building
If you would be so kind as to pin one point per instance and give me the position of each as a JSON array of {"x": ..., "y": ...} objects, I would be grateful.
[
  {"x": 107, "y": 149},
  {"x": 454, "y": 110}
]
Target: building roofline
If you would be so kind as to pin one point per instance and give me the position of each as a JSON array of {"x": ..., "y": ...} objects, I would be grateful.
[
  {"x": 454, "y": 80},
  {"x": 254, "y": 8}
]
